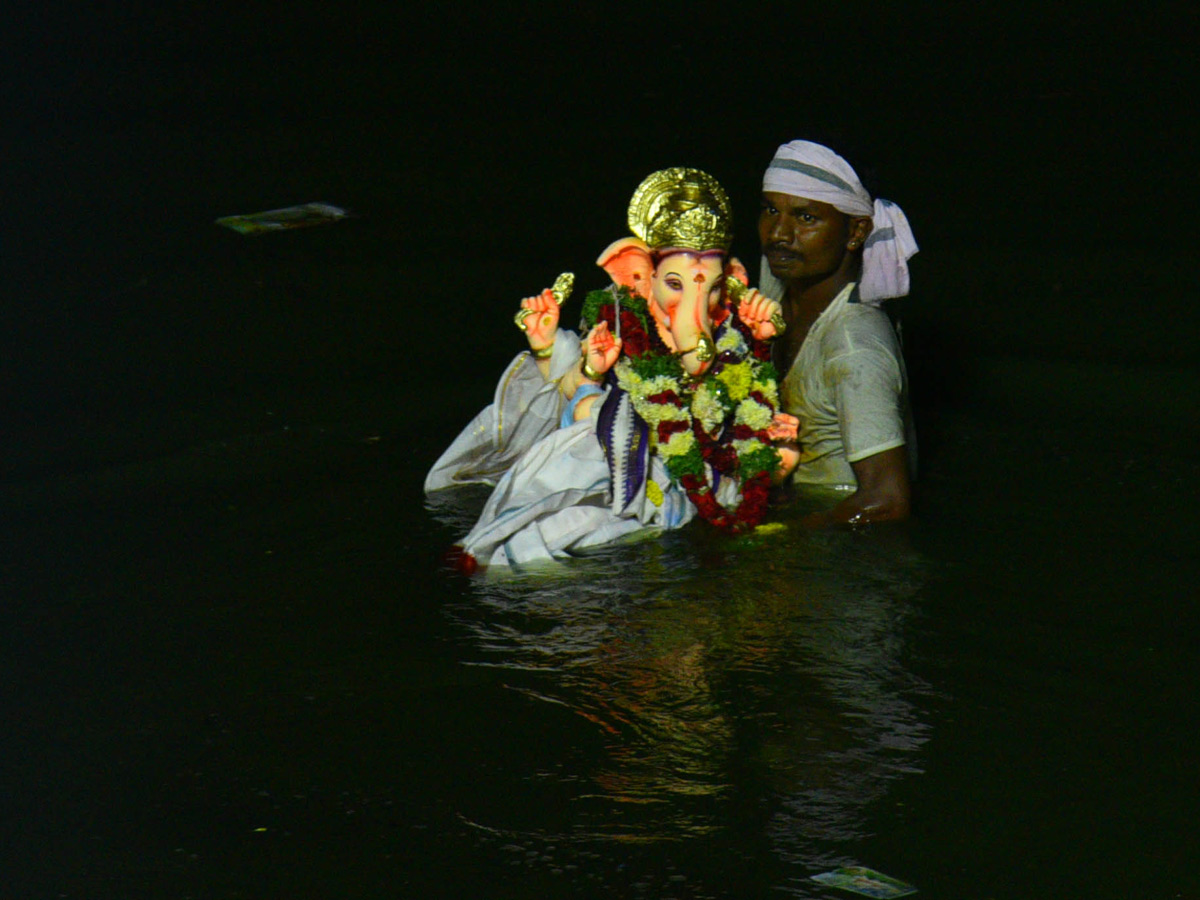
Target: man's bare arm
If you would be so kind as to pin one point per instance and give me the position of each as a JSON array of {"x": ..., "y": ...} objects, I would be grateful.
[{"x": 884, "y": 493}]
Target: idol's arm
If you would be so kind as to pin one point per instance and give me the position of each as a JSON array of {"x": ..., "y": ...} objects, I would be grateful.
[
  {"x": 762, "y": 315},
  {"x": 600, "y": 351},
  {"x": 538, "y": 318}
]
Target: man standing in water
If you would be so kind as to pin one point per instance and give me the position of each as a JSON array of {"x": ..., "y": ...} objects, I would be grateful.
[{"x": 831, "y": 256}]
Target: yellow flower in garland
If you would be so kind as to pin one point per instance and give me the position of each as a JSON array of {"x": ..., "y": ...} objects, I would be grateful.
[
  {"x": 738, "y": 378},
  {"x": 678, "y": 444},
  {"x": 769, "y": 388},
  {"x": 654, "y": 492}
]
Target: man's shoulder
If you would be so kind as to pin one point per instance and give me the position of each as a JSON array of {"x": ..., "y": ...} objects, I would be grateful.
[{"x": 858, "y": 327}]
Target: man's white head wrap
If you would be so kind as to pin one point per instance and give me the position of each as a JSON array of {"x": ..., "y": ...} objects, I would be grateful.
[{"x": 808, "y": 170}]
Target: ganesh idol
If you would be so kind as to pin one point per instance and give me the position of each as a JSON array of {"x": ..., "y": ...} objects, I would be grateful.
[{"x": 665, "y": 410}]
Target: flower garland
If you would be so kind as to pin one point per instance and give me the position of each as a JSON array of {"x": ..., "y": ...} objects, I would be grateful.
[{"x": 720, "y": 418}]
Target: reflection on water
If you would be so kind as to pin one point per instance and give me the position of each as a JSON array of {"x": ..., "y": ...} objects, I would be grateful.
[{"x": 718, "y": 687}]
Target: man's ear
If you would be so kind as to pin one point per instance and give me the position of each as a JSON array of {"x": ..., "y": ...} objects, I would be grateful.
[{"x": 860, "y": 230}]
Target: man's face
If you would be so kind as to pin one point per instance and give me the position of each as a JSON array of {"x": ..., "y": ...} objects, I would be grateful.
[{"x": 803, "y": 240}]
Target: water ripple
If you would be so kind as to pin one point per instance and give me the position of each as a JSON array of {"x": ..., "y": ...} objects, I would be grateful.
[{"x": 710, "y": 686}]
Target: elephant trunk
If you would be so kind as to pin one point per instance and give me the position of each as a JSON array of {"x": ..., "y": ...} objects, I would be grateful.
[
  {"x": 691, "y": 330},
  {"x": 697, "y": 358}
]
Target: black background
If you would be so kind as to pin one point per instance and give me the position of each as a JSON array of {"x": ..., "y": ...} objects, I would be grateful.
[{"x": 1042, "y": 154}]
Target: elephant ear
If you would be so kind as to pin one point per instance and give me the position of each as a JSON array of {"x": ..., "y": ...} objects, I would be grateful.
[{"x": 628, "y": 264}]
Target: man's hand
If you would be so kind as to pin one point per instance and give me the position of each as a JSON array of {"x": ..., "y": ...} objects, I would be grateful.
[{"x": 884, "y": 493}]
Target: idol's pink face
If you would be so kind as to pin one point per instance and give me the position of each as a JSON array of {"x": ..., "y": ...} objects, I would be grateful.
[{"x": 685, "y": 289}]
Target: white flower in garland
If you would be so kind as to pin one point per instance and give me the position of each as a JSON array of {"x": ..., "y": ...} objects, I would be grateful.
[
  {"x": 708, "y": 408},
  {"x": 628, "y": 379},
  {"x": 658, "y": 385},
  {"x": 750, "y": 445},
  {"x": 654, "y": 413},
  {"x": 753, "y": 414}
]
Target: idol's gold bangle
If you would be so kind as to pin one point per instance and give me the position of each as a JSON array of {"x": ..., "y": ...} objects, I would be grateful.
[
  {"x": 588, "y": 372},
  {"x": 544, "y": 353}
]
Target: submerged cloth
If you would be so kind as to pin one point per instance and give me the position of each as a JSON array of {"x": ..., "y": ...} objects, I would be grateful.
[
  {"x": 849, "y": 389},
  {"x": 554, "y": 493},
  {"x": 524, "y": 409},
  {"x": 808, "y": 170}
]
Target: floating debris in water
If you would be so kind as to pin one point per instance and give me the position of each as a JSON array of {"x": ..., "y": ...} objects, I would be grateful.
[
  {"x": 770, "y": 528},
  {"x": 286, "y": 219},
  {"x": 868, "y": 882}
]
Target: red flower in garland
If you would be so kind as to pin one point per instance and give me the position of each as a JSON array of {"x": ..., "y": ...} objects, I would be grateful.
[
  {"x": 667, "y": 397},
  {"x": 754, "y": 500},
  {"x": 634, "y": 338},
  {"x": 755, "y": 491},
  {"x": 716, "y": 452},
  {"x": 668, "y": 427},
  {"x": 721, "y": 457},
  {"x": 743, "y": 432}
]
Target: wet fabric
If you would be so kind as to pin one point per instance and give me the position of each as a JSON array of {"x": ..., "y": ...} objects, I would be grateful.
[
  {"x": 553, "y": 495},
  {"x": 849, "y": 388}
]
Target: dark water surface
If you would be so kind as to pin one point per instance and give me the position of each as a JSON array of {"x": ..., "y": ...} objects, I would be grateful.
[
  {"x": 233, "y": 665},
  {"x": 236, "y": 671}
]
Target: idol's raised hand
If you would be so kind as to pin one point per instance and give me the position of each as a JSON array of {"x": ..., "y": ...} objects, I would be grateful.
[
  {"x": 762, "y": 315},
  {"x": 601, "y": 348},
  {"x": 538, "y": 318}
]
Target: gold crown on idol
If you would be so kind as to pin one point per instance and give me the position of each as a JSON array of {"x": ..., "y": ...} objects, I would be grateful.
[{"x": 683, "y": 208}]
